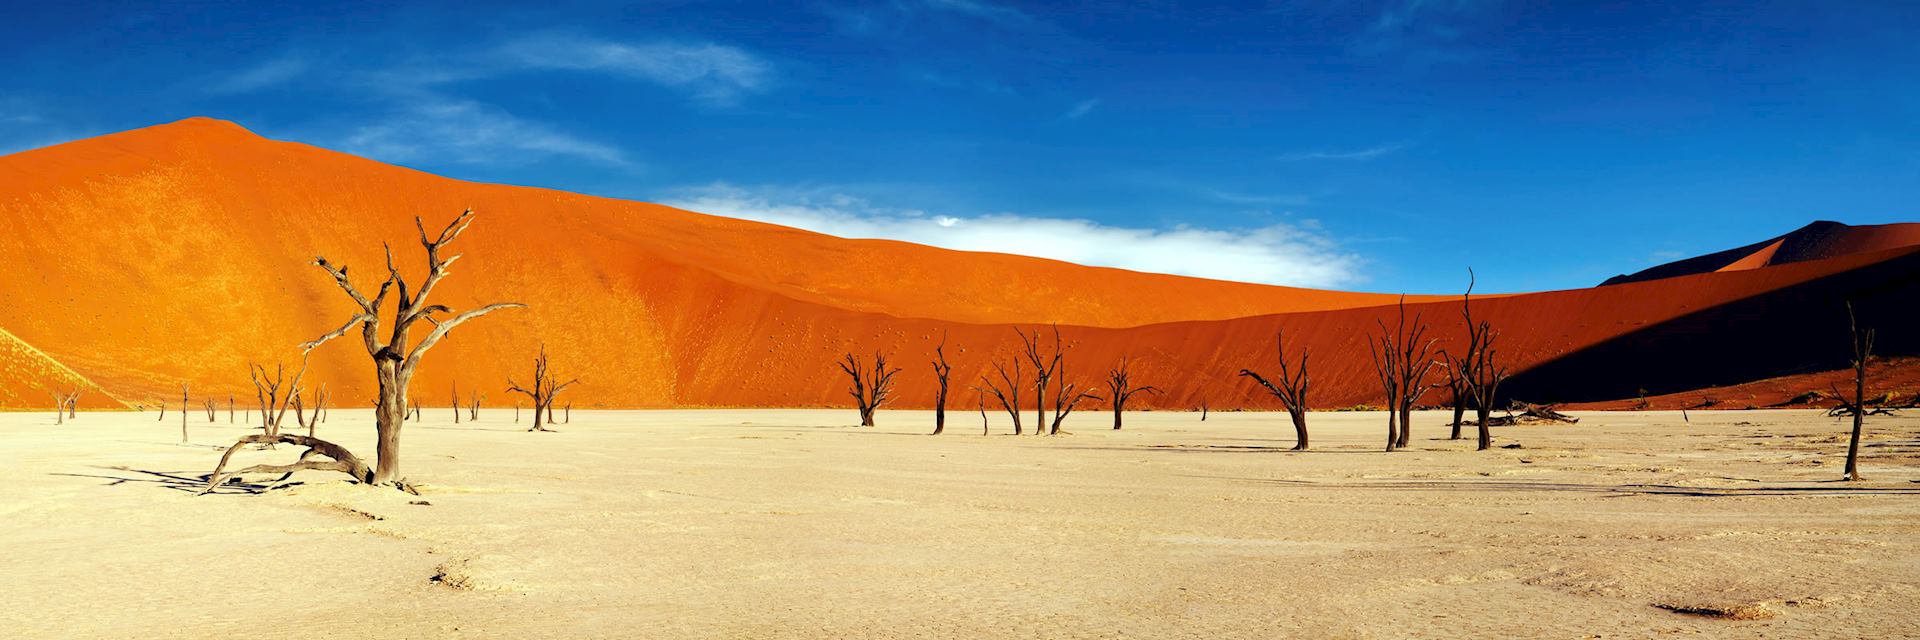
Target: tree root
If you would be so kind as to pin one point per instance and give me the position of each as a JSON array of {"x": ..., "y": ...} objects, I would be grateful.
[{"x": 342, "y": 461}]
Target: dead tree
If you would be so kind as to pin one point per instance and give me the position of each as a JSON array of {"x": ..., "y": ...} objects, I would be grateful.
[
  {"x": 1862, "y": 352},
  {"x": 1404, "y": 360},
  {"x": 394, "y": 359},
  {"x": 1120, "y": 388},
  {"x": 1066, "y": 397},
  {"x": 1044, "y": 368},
  {"x": 1203, "y": 410},
  {"x": 456, "y": 402},
  {"x": 980, "y": 400},
  {"x": 183, "y": 412},
  {"x": 516, "y": 412},
  {"x": 63, "y": 405},
  {"x": 276, "y": 395},
  {"x": 1457, "y": 390},
  {"x": 1478, "y": 367},
  {"x": 229, "y": 408},
  {"x": 545, "y": 388},
  {"x": 473, "y": 410},
  {"x": 212, "y": 407},
  {"x": 163, "y": 413},
  {"x": 941, "y": 372},
  {"x": 1386, "y": 365},
  {"x": 1007, "y": 390},
  {"x": 869, "y": 389},
  {"x": 1291, "y": 387},
  {"x": 569, "y": 419}
]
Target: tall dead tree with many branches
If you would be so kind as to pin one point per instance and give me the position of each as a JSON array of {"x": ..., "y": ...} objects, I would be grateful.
[
  {"x": 1480, "y": 372},
  {"x": 869, "y": 389},
  {"x": 1045, "y": 366},
  {"x": 941, "y": 372},
  {"x": 1404, "y": 359},
  {"x": 1291, "y": 387},
  {"x": 1120, "y": 388},
  {"x": 394, "y": 359},
  {"x": 1067, "y": 395},
  {"x": 1007, "y": 390},
  {"x": 545, "y": 388}
]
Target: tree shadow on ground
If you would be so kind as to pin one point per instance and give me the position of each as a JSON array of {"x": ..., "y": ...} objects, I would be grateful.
[{"x": 176, "y": 481}]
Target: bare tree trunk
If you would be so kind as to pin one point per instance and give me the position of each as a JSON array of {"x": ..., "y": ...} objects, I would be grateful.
[
  {"x": 456, "y": 402},
  {"x": 389, "y": 415},
  {"x": 1459, "y": 415},
  {"x": 1117, "y": 408},
  {"x": 183, "y": 412},
  {"x": 1486, "y": 432},
  {"x": 229, "y": 408},
  {"x": 1406, "y": 423},
  {"x": 1299, "y": 415},
  {"x": 1862, "y": 352},
  {"x": 1392, "y": 427},
  {"x": 59, "y": 408}
]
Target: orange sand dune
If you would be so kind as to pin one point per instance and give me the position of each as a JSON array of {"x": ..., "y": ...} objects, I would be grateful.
[{"x": 182, "y": 252}]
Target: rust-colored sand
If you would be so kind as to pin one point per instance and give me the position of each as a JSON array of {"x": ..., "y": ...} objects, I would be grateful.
[{"x": 181, "y": 253}]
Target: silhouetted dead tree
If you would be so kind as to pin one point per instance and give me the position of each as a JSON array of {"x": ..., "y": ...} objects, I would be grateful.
[
  {"x": 456, "y": 402},
  {"x": 1457, "y": 390},
  {"x": 941, "y": 372},
  {"x": 1478, "y": 366},
  {"x": 869, "y": 389},
  {"x": 1120, "y": 388},
  {"x": 1007, "y": 391},
  {"x": 394, "y": 359},
  {"x": 473, "y": 410},
  {"x": 229, "y": 408},
  {"x": 1291, "y": 387},
  {"x": 163, "y": 413},
  {"x": 1044, "y": 368},
  {"x": 1862, "y": 353},
  {"x": 569, "y": 419},
  {"x": 1067, "y": 396},
  {"x": 545, "y": 388},
  {"x": 212, "y": 408},
  {"x": 1404, "y": 360},
  {"x": 1385, "y": 367},
  {"x": 1203, "y": 410}
]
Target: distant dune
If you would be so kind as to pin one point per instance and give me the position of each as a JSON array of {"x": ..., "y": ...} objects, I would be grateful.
[{"x": 182, "y": 252}]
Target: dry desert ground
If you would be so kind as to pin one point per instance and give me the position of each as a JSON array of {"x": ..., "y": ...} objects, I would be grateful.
[{"x": 790, "y": 523}]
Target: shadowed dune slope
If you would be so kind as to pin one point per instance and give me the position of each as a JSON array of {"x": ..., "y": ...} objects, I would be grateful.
[
  {"x": 1819, "y": 240},
  {"x": 183, "y": 251}
]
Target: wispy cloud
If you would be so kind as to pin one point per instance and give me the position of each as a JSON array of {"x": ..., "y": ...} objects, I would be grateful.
[
  {"x": 266, "y": 74},
  {"x": 714, "y": 73},
  {"x": 1288, "y": 254},
  {"x": 432, "y": 126},
  {"x": 1081, "y": 109},
  {"x": 1423, "y": 31},
  {"x": 985, "y": 11},
  {"x": 1368, "y": 153}
]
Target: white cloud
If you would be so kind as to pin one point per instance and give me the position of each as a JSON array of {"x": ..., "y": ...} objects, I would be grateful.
[
  {"x": 715, "y": 73},
  {"x": 266, "y": 74},
  {"x": 467, "y": 132},
  {"x": 1296, "y": 255},
  {"x": 1081, "y": 109},
  {"x": 1355, "y": 154}
]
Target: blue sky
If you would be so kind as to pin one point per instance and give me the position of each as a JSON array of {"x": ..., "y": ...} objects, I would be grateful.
[{"x": 1378, "y": 145}]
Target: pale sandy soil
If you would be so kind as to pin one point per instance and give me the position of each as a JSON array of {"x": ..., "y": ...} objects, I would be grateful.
[{"x": 755, "y": 524}]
